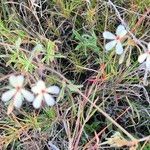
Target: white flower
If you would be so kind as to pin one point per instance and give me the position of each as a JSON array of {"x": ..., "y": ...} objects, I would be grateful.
[
  {"x": 17, "y": 93},
  {"x": 145, "y": 57},
  {"x": 115, "y": 39},
  {"x": 44, "y": 94}
]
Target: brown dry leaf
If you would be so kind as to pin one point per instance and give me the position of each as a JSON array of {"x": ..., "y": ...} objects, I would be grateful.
[
  {"x": 10, "y": 108},
  {"x": 131, "y": 42},
  {"x": 117, "y": 140},
  {"x": 133, "y": 148},
  {"x": 133, "y": 145}
]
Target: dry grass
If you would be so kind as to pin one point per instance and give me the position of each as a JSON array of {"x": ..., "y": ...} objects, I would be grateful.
[{"x": 98, "y": 97}]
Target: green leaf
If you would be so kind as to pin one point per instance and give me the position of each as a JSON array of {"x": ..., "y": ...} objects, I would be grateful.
[
  {"x": 86, "y": 42},
  {"x": 74, "y": 88},
  {"x": 50, "y": 52}
]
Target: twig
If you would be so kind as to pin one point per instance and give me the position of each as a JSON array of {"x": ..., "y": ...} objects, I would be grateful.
[
  {"x": 105, "y": 128},
  {"x": 99, "y": 109}
]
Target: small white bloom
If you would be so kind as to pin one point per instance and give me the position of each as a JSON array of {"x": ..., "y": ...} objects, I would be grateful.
[
  {"x": 145, "y": 57},
  {"x": 115, "y": 39},
  {"x": 17, "y": 93},
  {"x": 44, "y": 94}
]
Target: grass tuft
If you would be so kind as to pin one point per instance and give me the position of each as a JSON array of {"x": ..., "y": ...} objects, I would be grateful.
[{"x": 61, "y": 42}]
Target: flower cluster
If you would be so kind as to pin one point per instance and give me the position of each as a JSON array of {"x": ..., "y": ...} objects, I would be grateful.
[
  {"x": 39, "y": 96},
  {"x": 117, "y": 42}
]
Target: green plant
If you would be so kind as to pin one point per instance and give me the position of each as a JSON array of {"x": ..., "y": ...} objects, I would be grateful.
[{"x": 86, "y": 42}]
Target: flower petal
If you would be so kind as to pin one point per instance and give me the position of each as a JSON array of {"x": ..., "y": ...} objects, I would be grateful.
[
  {"x": 18, "y": 100},
  {"x": 41, "y": 84},
  {"x": 27, "y": 95},
  {"x": 108, "y": 35},
  {"x": 13, "y": 80},
  {"x": 50, "y": 101},
  {"x": 119, "y": 48},
  {"x": 53, "y": 89},
  {"x": 20, "y": 80},
  {"x": 35, "y": 90},
  {"x": 110, "y": 45},
  {"x": 142, "y": 57},
  {"x": 6, "y": 96},
  {"x": 38, "y": 101},
  {"x": 148, "y": 62},
  {"x": 121, "y": 31},
  {"x": 39, "y": 87}
]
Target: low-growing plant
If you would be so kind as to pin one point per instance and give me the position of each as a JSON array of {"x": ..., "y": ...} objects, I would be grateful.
[{"x": 78, "y": 75}]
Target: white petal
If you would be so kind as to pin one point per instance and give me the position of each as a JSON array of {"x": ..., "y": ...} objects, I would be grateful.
[
  {"x": 38, "y": 48},
  {"x": 27, "y": 95},
  {"x": 121, "y": 31},
  {"x": 20, "y": 80},
  {"x": 142, "y": 57},
  {"x": 110, "y": 45},
  {"x": 18, "y": 100},
  {"x": 35, "y": 90},
  {"x": 148, "y": 62},
  {"x": 38, "y": 101},
  {"x": 39, "y": 87},
  {"x": 108, "y": 35},
  {"x": 53, "y": 89},
  {"x": 50, "y": 101},
  {"x": 13, "y": 80},
  {"x": 148, "y": 46},
  {"x": 41, "y": 84},
  {"x": 6, "y": 96},
  {"x": 119, "y": 48}
]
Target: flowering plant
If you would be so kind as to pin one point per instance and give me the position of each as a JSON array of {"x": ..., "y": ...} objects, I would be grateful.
[
  {"x": 17, "y": 93},
  {"x": 116, "y": 40},
  {"x": 44, "y": 94}
]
